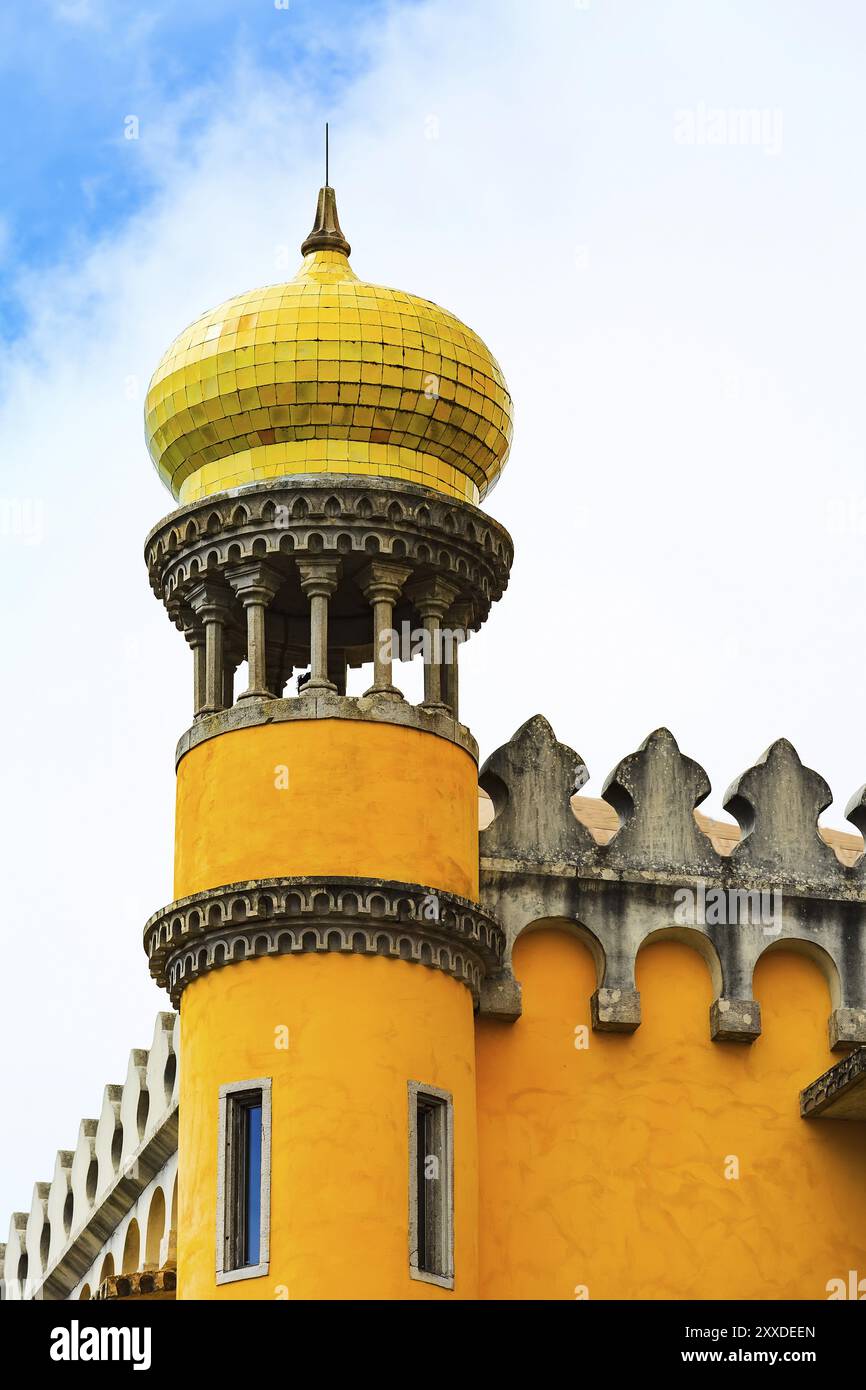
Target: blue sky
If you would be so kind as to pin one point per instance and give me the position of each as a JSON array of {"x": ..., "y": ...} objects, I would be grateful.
[{"x": 72, "y": 71}]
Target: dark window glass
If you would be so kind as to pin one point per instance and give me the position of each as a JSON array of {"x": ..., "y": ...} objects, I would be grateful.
[
  {"x": 425, "y": 1205},
  {"x": 243, "y": 1176},
  {"x": 251, "y": 1179}
]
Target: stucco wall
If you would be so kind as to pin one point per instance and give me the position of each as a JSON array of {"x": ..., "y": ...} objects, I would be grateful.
[
  {"x": 359, "y": 1029},
  {"x": 605, "y": 1167},
  {"x": 373, "y": 800}
]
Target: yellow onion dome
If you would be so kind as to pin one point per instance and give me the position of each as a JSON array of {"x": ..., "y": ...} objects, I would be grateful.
[{"x": 327, "y": 374}]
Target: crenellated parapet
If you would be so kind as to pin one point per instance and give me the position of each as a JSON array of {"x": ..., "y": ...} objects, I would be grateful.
[
  {"x": 109, "y": 1199},
  {"x": 661, "y": 875}
]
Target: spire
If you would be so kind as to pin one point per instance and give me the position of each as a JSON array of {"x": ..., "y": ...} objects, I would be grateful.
[{"x": 327, "y": 234}]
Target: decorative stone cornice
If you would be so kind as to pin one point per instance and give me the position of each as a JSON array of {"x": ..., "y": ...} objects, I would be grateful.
[
  {"x": 337, "y": 517},
  {"x": 286, "y": 916},
  {"x": 145, "y": 1283},
  {"x": 840, "y": 1092},
  {"x": 371, "y": 709}
]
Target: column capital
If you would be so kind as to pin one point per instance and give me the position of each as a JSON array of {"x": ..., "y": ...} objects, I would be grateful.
[
  {"x": 319, "y": 576},
  {"x": 433, "y": 597},
  {"x": 210, "y": 601},
  {"x": 193, "y": 632},
  {"x": 461, "y": 614},
  {"x": 382, "y": 579},
  {"x": 254, "y": 582}
]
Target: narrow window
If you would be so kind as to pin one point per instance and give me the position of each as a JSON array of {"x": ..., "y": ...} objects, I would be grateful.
[
  {"x": 431, "y": 1185},
  {"x": 249, "y": 1159},
  {"x": 243, "y": 1186}
]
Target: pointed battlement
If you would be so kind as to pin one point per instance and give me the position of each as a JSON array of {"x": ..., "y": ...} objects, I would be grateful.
[{"x": 659, "y": 874}]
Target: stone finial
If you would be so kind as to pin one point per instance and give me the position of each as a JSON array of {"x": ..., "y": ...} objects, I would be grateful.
[
  {"x": 327, "y": 234},
  {"x": 655, "y": 791},
  {"x": 531, "y": 780},
  {"x": 777, "y": 804}
]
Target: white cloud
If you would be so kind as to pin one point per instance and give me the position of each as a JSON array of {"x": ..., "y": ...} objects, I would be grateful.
[
  {"x": 81, "y": 12},
  {"x": 680, "y": 329}
]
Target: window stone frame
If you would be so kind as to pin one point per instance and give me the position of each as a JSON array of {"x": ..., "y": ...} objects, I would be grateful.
[
  {"x": 444, "y": 1100},
  {"x": 229, "y": 1095}
]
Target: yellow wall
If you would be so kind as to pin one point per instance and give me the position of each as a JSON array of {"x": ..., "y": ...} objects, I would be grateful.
[
  {"x": 366, "y": 800},
  {"x": 605, "y": 1168},
  {"x": 360, "y": 1028},
  {"x": 373, "y": 800}
]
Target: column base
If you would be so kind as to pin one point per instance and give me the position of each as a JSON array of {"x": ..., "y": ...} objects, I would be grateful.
[
  {"x": 388, "y": 692},
  {"x": 253, "y": 694}
]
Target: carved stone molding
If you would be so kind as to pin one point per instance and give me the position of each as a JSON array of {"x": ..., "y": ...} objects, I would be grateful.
[
  {"x": 287, "y": 916},
  {"x": 144, "y": 1283},
  {"x": 735, "y": 1020},
  {"x": 840, "y": 1092},
  {"x": 847, "y": 1028},
  {"x": 615, "y": 1010},
  {"x": 346, "y": 518},
  {"x": 369, "y": 709}
]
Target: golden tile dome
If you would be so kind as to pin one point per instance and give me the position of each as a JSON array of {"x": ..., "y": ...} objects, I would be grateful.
[{"x": 328, "y": 374}]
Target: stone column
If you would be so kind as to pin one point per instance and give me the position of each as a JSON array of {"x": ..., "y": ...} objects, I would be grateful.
[
  {"x": 319, "y": 579},
  {"x": 255, "y": 585},
  {"x": 381, "y": 584},
  {"x": 194, "y": 634},
  {"x": 210, "y": 602},
  {"x": 458, "y": 621},
  {"x": 433, "y": 598}
]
